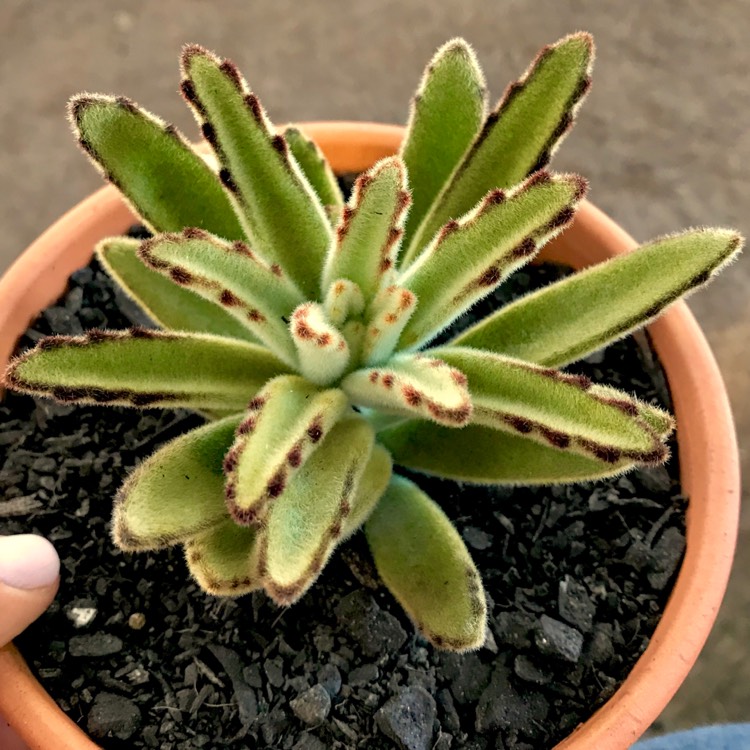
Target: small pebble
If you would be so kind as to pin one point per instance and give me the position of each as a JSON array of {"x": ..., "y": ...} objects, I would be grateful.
[
  {"x": 556, "y": 639},
  {"x": 137, "y": 620},
  {"x": 407, "y": 718},
  {"x": 95, "y": 645},
  {"x": 113, "y": 716},
  {"x": 312, "y": 706}
]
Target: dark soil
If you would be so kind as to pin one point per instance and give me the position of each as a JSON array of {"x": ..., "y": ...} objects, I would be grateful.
[{"x": 133, "y": 651}]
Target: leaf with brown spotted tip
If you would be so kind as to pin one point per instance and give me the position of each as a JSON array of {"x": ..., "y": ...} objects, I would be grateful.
[
  {"x": 554, "y": 408},
  {"x": 660, "y": 421},
  {"x": 176, "y": 492},
  {"x": 167, "y": 182},
  {"x": 368, "y": 235},
  {"x": 413, "y": 385},
  {"x": 388, "y": 316},
  {"x": 305, "y": 524},
  {"x": 282, "y": 428},
  {"x": 166, "y": 303},
  {"x": 371, "y": 488},
  {"x": 567, "y": 320},
  {"x": 518, "y": 137},
  {"x": 446, "y": 115},
  {"x": 322, "y": 351},
  {"x": 471, "y": 257},
  {"x": 222, "y": 561},
  {"x": 234, "y": 279},
  {"x": 315, "y": 167},
  {"x": 343, "y": 301},
  {"x": 487, "y": 456},
  {"x": 280, "y": 212},
  {"x": 425, "y": 564},
  {"x": 145, "y": 368}
]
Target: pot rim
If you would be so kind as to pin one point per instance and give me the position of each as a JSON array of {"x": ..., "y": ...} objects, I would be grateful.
[{"x": 706, "y": 441}]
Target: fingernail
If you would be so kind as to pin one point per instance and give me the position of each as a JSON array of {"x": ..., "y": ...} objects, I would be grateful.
[{"x": 28, "y": 561}]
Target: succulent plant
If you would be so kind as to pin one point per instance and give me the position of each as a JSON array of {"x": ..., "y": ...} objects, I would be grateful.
[{"x": 303, "y": 328}]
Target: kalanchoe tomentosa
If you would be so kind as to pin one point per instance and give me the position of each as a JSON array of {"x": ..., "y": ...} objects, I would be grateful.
[{"x": 301, "y": 327}]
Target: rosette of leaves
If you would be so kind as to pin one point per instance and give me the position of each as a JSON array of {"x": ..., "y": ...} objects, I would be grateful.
[{"x": 303, "y": 327}]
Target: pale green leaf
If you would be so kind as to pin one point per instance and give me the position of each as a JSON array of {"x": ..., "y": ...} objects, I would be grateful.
[
  {"x": 145, "y": 368},
  {"x": 233, "y": 278},
  {"x": 305, "y": 524},
  {"x": 554, "y": 408},
  {"x": 412, "y": 385},
  {"x": 165, "y": 302},
  {"x": 315, "y": 167},
  {"x": 343, "y": 301},
  {"x": 176, "y": 492},
  {"x": 446, "y": 115},
  {"x": 469, "y": 258},
  {"x": 660, "y": 421},
  {"x": 368, "y": 235},
  {"x": 371, "y": 488},
  {"x": 426, "y": 566},
  {"x": 519, "y": 137},
  {"x": 162, "y": 176},
  {"x": 388, "y": 316},
  {"x": 222, "y": 560},
  {"x": 487, "y": 456},
  {"x": 280, "y": 212},
  {"x": 322, "y": 350},
  {"x": 569, "y": 319},
  {"x": 283, "y": 426}
]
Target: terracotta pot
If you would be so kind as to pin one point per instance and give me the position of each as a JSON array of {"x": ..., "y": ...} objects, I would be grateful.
[{"x": 707, "y": 448}]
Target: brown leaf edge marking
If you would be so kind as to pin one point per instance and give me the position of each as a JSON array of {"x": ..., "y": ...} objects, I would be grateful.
[
  {"x": 213, "y": 585},
  {"x": 413, "y": 398},
  {"x": 253, "y": 514},
  {"x": 362, "y": 185},
  {"x": 285, "y": 595},
  {"x": 88, "y": 395}
]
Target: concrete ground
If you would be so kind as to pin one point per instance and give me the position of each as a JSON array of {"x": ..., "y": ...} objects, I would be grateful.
[{"x": 664, "y": 139}]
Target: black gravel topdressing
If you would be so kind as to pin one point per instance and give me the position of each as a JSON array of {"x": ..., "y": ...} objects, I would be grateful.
[{"x": 132, "y": 650}]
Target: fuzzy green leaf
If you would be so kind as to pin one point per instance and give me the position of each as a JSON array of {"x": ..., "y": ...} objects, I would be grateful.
[
  {"x": 165, "y": 302},
  {"x": 315, "y": 167},
  {"x": 305, "y": 524},
  {"x": 389, "y": 314},
  {"x": 554, "y": 408},
  {"x": 280, "y": 212},
  {"x": 177, "y": 492},
  {"x": 343, "y": 301},
  {"x": 145, "y": 368},
  {"x": 413, "y": 385},
  {"x": 369, "y": 232},
  {"x": 469, "y": 258},
  {"x": 446, "y": 115},
  {"x": 222, "y": 560},
  {"x": 660, "y": 421},
  {"x": 283, "y": 427},
  {"x": 519, "y": 137},
  {"x": 565, "y": 321},
  {"x": 162, "y": 176},
  {"x": 322, "y": 350},
  {"x": 425, "y": 564},
  {"x": 488, "y": 456},
  {"x": 232, "y": 277},
  {"x": 374, "y": 481}
]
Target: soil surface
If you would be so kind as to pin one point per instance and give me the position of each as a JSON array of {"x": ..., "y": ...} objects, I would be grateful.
[{"x": 576, "y": 579}]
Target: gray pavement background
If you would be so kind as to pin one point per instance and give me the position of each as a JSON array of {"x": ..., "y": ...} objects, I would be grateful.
[{"x": 663, "y": 137}]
